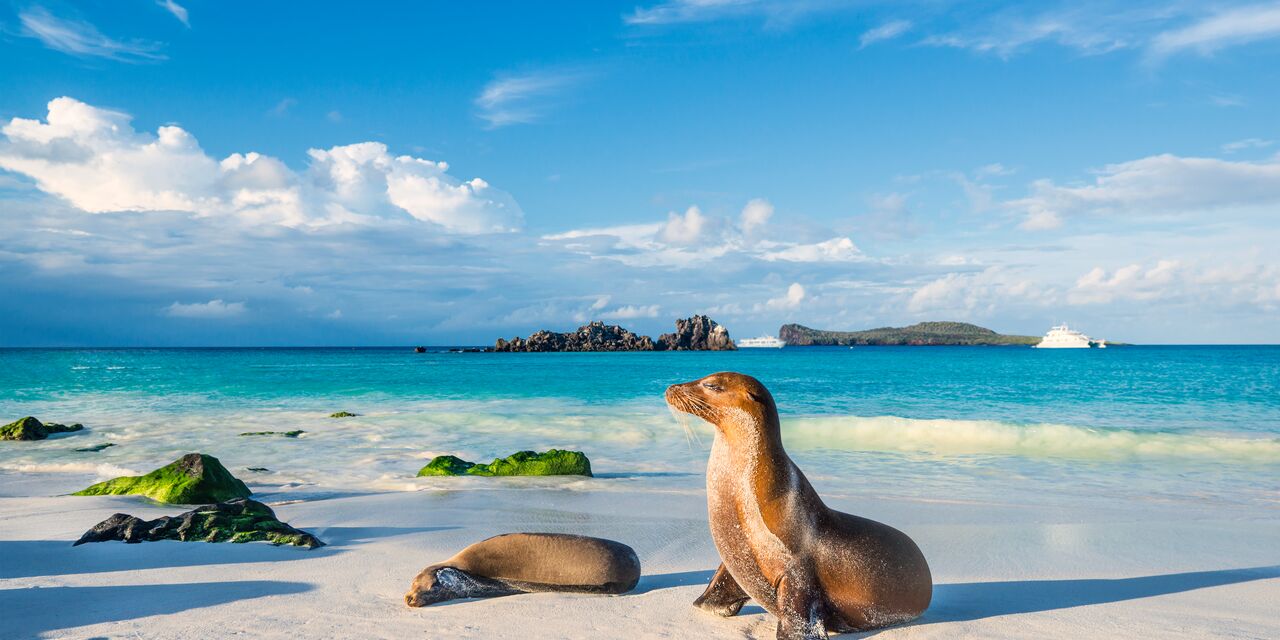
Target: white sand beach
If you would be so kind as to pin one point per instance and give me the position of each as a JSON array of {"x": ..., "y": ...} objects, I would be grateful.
[{"x": 1001, "y": 570}]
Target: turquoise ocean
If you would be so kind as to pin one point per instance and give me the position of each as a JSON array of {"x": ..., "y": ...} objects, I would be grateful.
[{"x": 1177, "y": 426}]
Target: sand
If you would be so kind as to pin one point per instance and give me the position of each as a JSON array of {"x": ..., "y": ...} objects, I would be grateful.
[{"x": 1002, "y": 570}]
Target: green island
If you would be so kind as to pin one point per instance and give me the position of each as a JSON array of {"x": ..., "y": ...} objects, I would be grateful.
[
  {"x": 192, "y": 479},
  {"x": 920, "y": 334},
  {"x": 29, "y": 428},
  {"x": 553, "y": 462},
  {"x": 343, "y": 414}
]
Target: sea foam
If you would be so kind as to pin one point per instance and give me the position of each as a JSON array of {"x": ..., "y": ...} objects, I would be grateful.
[{"x": 978, "y": 437}]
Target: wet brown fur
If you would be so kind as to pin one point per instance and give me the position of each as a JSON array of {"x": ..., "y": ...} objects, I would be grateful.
[{"x": 815, "y": 568}]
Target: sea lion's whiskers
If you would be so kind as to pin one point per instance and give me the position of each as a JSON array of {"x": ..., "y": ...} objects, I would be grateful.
[{"x": 682, "y": 407}]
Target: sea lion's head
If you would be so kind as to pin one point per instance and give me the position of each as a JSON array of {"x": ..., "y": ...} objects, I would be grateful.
[
  {"x": 724, "y": 399},
  {"x": 428, "y": 588}
]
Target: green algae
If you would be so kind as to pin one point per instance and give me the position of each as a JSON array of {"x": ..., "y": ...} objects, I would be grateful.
[
  {"x": 239, "y": 520},
  {"x": 343, "y": 414},
  {"x": 287, "y": 434},
  {"x": 29, "y": 428},
  {"x": 191, "y": 479},
  {"x": 554, "y": 462}
]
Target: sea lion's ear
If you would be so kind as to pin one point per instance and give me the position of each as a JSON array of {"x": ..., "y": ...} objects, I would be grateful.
[{"x": 757, "y": 397}]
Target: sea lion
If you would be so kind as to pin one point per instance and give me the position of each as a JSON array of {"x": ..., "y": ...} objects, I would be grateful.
[
  {"x": 816, "y": 569},
  {"x": 526, "y": 563}
]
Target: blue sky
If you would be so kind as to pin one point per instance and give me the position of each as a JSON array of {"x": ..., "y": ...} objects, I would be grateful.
[{"x": 224, "y": 173}]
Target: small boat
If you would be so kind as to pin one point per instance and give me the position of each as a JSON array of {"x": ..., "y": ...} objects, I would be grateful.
[
  {"x": 763, "y": 342},
  {"x": 419, "y": 349}
]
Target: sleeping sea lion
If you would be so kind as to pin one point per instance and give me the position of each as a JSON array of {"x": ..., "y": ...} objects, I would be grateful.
[
  {"x": 525, "y": 563},
  {"x": 816, "y": 569}
]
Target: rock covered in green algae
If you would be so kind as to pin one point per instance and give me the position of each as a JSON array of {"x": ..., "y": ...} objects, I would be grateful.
[
  {"x": 554, "y": 462},
  {"x": 191, "y": 479},
  {"x": 238, "y": 520},
  {"x": 96, "y": 448},
  {"x": 29, "y": 428},
  {"x": 343, "y": 414},
  {"x": 287, "y": 434}
]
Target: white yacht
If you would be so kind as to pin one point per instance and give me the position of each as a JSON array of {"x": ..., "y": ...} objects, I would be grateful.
[
  {"x": 763, "y": 342},
  {"x": 1064, "y": 337}
]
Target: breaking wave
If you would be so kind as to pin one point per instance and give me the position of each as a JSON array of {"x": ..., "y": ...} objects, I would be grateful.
[{"x": 978, "y": 437}]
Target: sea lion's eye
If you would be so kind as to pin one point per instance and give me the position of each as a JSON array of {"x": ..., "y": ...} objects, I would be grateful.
[{"x": 713, "y": 386}]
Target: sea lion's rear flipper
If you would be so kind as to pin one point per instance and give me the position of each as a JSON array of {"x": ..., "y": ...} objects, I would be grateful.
[
  {"x": 723, "y": 597},
  {"x": 802, "y": 611}
]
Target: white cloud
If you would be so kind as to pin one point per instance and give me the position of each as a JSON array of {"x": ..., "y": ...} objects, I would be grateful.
[
  {"x": 685, "y": 229},
  {"x": 523, "y": 98},
  {"x": 693, "y": 237},
  {"x": 791, "y": 299},
  {"x": 178, "y": 11},
  {"x": 755, "y": 214},
  {"x": 687, "y": 11},
  {"x": 886, "y": 31},
  {"x": 283, "y": 107},
  {"x": 631, "y": 312},
  {"x": 1156, "y": 185},
  {"x": 833, "y": 250},
  {"x": 1133, "y": 282},
  {"x": 82, "y": 39},
  {"x": 965, "y": 294},
  {"x": 94, "y": 159},
  {"x": 206, "y": 310},
  {"x": 1246, "y": 144},
  {"x": 1236, "y": 26}
]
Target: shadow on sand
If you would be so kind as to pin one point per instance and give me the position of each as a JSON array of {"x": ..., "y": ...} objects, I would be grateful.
[
  {"x": 30, "y": 558},
  {"x": 978, "y": 600},
  {"x": 962, "y": 602},
  {"x": 45, "y": 609},
  {"x": 350, "y": 536}
]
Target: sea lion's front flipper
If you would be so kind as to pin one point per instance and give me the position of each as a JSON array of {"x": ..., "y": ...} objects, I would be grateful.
[
  {"x": 723, "y": 597},
  {"x": 802, "y": 610}
]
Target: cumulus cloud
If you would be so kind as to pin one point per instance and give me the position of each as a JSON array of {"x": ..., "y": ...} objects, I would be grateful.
[
  {"x": 1131, "y": 282},
  {"x": 755, "y": 214},
  {"x": 1156, "y": 185},
  {"x": 94, "y": 159},
  {"x": 206, "y": 310},
  {"x": 964, "y": 294},
  {"x": 82, "y": 39},
  {"x": 631, "y": 312},
  {"x": 685, "y": 229},
  {"x": 693, "y": 238},
  {"x": 791, "y": 299},
  {"x": 886, "y": 31},
  {"x": 833, "y": 250}
]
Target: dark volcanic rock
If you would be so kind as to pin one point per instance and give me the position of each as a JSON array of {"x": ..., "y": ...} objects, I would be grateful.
[
  {"x": 698, "y": 333},
  {"x": 96, "y": 448},
  {"x": 238, "y": 520},
  {"x": 29, "y": 428},
  {"x": 596, "y": 336}
]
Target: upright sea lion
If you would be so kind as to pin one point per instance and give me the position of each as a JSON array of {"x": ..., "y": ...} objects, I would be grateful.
[
  {"x": 814, "y": 568},
  {"x": 528, "y": 562}
]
